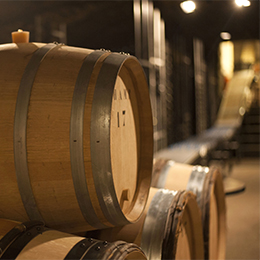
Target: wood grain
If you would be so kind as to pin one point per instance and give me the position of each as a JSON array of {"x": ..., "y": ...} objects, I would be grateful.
[
  {"x": 178, "y": 177},
  {"x": 48, "y": 136},
  {"x": 189, "y": 237}
]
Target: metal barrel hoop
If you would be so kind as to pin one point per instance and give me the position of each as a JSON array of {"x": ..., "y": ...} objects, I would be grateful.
[
  {"x": 76, "y": 139},
  {"x": 172, "y": 232},
  {"x": 164, "y": 174},
  {"x": 100, "y": 139},
  {"x": 98, "y": 250},
  {"x": 208, "y": 186},
  {"x": 20, "y": 128},
  {"x": 156, "y": 226},
  {"x": 196, "y": 183},
  {"x": 80, "y": 249},
  {"x": 17, "y": 238}
]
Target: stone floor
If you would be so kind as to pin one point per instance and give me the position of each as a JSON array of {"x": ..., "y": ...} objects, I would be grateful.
[{"x": 243, "y": 213}]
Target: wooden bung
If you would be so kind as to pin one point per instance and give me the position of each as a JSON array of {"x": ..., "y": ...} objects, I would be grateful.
[
  {"x": 207, "y": 184},
  {"x": 170, "y": 227},
  {"x": 33, "y": 241},
  {"x": 20, "y": 36},
  {"x": 76, "y": 136}
]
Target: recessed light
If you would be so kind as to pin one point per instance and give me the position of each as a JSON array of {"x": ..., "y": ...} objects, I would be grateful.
[
  {"x": 244, "y": 3},
  {"x": 188, "y": 6},
  {"x": 225, "y": 35}
]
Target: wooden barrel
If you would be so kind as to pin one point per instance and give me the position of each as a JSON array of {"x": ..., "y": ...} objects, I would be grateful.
[
  {"x": 170, "y": 227},
  {"x": 31, "y": 240},
  {"x": 76, "y": 136},
  {"x": 207, "y": 184}
]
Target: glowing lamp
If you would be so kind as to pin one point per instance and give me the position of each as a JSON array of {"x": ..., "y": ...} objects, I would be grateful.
[
  {"x": 244, "y": 3},
  {"x": 225, "y": 35},
  {"x": 188, "y": 6}
]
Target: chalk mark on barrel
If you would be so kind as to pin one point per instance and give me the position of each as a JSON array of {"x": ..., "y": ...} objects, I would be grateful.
[{"x": 123, "y": 112}]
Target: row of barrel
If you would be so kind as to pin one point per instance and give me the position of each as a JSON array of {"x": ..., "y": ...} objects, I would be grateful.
[
  {"x": 175, "y": 224},
  {"x": 184, "y": 221},
  {"x": 185, "y": 216},
  {"x": 77, "y": 170}
]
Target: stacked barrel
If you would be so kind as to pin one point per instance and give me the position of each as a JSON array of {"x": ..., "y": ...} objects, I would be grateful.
[
  {"x": 76, "y": 156},
  {"x": 206, "y": 183}
]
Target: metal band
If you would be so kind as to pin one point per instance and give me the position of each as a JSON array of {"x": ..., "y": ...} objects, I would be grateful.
[
  {"x": 196, "y": 182},
  {"x": 103, "y": 250},
  {"x": 76, "y": 139},
  {"x": 155, "y": 223},
  {"x": 158, "y": 166},
  {"x": 100, "y": 139},
  {"x": 20, "y": 128},
  {"x": 19, "y": 237},
  {"x": 170, "y": 240},
  {"x": 15, "y": 232},
  {"x": 122, "y": 249},
  {"x": 98, "y": 250},
  {"x": 164, "y": 174},
  {"x": 205, "y": 211},
  {"x": 79, "y": 250},
  {"x": 9, "y": 237}
]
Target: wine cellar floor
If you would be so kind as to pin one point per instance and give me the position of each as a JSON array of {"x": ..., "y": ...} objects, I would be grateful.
[{"x": 243, "y": 213}]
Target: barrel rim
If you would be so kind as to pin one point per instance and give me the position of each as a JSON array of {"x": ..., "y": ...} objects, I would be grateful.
[
  {"x": 160, "y": 172},
  {"x": 154, "y": 233},
  {"x": 100, "y": 139},
  {"x": 181, "y": 204},
  {"x": 121, "y": 249},
  {"x": 213, "y": 186},
  {"x": 162, "y": 242}
]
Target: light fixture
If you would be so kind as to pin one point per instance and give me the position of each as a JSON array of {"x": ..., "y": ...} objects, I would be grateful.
[
  {"x": 244, "y": 3},
  {"x": 188, "y": 6},
  {"x": 225, "y": 35}
]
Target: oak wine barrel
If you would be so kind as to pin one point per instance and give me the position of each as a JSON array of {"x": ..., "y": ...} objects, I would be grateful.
[
  {"x": 33, "y": 241},
  {"x": 206, "y": 183},
  {"x": 76, "y": 136},
  {"x": 170, "y": 227}
]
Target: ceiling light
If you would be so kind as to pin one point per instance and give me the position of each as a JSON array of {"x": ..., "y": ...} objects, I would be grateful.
[
  {"x": 188, "y": 6},
  {"x": 225, "y": 35},
  {"x": 244, "y": 3},
  {"x": 247, "y": 3}
]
